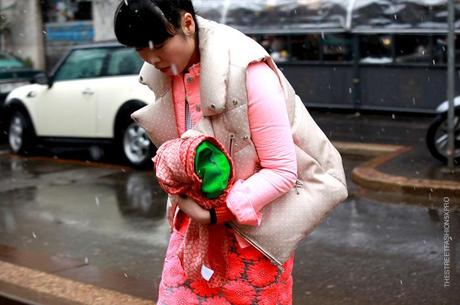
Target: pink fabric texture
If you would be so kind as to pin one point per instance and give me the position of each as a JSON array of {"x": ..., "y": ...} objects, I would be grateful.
[
  {"x": 203, "y": 244},
  {"x": 187, "y": 87},
  {"x": 252, "y": 279}
]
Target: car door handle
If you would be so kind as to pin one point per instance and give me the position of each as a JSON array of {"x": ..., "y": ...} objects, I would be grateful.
[{"x": 88, "y": 92}]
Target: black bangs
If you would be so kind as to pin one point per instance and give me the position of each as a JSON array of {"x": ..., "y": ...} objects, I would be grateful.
[{"x": 142, "y": 24}]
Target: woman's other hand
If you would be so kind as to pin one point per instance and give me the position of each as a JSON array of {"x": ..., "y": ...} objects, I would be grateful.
[{"x": 192, "y": 209}]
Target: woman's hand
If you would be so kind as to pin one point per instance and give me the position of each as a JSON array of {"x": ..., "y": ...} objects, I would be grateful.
[{"x": 192, "y": 209}]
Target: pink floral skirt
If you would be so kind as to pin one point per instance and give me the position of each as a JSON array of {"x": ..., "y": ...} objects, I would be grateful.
[{"x": 252, "y": 279}]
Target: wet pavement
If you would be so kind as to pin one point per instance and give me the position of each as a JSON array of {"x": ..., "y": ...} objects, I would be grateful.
[
  {"x": 103, "y": 224},
  {"x": 389, "y": 128},
  {"x": 374, "y": 127}
]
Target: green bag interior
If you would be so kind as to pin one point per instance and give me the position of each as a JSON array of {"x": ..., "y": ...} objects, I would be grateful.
[{"x": 213, "y": 167}]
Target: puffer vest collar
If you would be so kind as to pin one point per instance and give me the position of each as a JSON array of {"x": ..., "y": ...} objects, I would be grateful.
[{"x": 214, "y": 58}]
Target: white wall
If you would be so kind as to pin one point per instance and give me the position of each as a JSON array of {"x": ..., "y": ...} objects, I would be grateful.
[
  {"x": 103, "y": 12},
  {"x": 26, "y": 37}
]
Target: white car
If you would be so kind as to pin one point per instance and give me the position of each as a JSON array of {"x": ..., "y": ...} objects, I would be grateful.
[{"x": 88, "y": 99}]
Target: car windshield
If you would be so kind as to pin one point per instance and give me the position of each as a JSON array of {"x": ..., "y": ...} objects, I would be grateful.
[{"x": 8, "y": 62}]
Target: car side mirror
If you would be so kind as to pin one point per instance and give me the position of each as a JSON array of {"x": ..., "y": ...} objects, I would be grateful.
[{"x": 42, "y": 79}]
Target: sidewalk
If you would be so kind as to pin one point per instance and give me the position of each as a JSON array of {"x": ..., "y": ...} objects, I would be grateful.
[
  {"x": 397, "y": 168},
  {"x": 399, "y": 159},
  {"x": 398, "y": 162}
]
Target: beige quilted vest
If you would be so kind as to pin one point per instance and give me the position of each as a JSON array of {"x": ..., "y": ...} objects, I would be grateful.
[{"x": 225, "y": 56}]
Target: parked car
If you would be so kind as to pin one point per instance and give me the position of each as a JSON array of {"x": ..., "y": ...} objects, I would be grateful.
[
  {"x": 13, "y": 73},
  {"x": 87, "y": 99}
]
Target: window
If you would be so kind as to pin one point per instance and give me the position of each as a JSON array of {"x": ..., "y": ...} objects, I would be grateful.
[
  {"x": 412, "y": 49},
  {"x": 305, "y": 47},
  {"x": 124, "y": 62},
  {"x": 440, "y": 50},
  {"x": 336, "y": 48},
  {"x": 375, "y": 49},
  {"x": 276, "y": 46},
  {"x": 85, "y": 63},
  {"x": 66, "y": 10}
]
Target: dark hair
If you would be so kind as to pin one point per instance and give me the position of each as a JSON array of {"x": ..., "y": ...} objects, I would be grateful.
[{"x": 141, "y": 23}]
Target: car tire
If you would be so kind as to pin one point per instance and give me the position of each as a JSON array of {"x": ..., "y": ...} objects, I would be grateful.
[
  {"x": 135, "y": 146},
  {"x": 436, "y": 137},
  {"x": 21, "y": 135}
]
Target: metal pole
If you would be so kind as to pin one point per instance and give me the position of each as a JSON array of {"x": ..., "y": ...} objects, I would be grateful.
[{"x": 451, "y": 84}]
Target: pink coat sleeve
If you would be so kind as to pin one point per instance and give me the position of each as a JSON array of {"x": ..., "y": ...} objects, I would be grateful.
[{"x": 271, "y": 134}]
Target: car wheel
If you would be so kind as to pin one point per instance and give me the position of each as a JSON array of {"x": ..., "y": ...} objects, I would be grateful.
[
  {"x": 437, "y": 137},
  {"x": 137, "y": 149},
  {"x": 20, "y": 134}
]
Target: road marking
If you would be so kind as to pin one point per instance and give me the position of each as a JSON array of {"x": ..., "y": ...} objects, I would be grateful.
[{"x": 61, "y": 289}]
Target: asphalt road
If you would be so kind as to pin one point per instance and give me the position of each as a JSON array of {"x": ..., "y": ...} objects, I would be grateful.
[
  {"x": 375, "y": 248},
  {"x": 366, "y": 252}
]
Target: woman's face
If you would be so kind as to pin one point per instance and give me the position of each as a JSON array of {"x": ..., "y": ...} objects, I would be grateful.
[{"x": 175, "y": 54}]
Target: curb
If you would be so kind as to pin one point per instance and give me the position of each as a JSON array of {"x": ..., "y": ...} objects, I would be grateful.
[
  {"x": 36, "y": 287},
  {"x": 365, "y": 149},
  {"x": 367, "y": 174}
]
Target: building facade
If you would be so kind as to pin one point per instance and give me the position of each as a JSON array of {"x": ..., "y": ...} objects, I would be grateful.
[{"x": 22, "y": 31}]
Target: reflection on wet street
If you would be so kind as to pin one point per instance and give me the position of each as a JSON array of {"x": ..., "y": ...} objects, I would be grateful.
[{"x": 369, "y": 251}]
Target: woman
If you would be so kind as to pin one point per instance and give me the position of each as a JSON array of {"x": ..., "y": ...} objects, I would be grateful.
[{"x": 207, "y": 76}]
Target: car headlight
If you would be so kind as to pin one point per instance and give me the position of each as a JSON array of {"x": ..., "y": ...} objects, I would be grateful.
[{"x": 7, "y": 87}]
